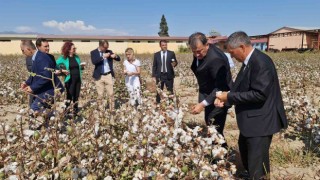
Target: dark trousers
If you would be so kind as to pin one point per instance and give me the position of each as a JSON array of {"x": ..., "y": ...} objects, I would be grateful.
[
  {"x": 164, "y": 80},
  {"x": 43, "y": 101},
  {"x": 254, "y": 153},
  {"x": 73, "y": 90},
  {"x": 31, "y": 98},
  {"x": 214, "y": 116}
]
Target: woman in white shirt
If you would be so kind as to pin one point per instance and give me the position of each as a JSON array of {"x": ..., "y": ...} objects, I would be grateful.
[{"x": 132, "y": 71}]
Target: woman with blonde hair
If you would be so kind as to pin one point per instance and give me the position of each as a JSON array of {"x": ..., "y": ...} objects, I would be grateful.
[{"x": 132, "y": 81}]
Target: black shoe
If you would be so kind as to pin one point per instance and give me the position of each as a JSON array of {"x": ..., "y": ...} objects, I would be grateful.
[{"x": 244, "y": 175}]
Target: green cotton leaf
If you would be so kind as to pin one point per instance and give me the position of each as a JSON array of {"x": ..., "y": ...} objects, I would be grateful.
[{"x": 32, "y": 74}]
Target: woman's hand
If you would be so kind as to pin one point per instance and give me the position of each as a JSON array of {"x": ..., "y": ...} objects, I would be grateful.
[{"x": 65, "y": 71}]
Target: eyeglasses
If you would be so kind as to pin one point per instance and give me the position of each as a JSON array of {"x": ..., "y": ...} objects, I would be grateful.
[{"x": 74, "y": 48}]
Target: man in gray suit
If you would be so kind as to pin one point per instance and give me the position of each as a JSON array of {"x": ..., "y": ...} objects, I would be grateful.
[{"x": 258, "y": 104}]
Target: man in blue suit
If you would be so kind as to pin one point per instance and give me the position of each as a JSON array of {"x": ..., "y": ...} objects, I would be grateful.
[
  {"x": 103, "y": 74},
  {"x": 39, "y": 82}
]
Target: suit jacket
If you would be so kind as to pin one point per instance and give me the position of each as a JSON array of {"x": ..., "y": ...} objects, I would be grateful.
[
  {"x": 63, "y": 63},
  {"x": 157, "y": 63},
  {"x": 97, "y": 60},
  {"x": 213, "y": 74},
  {"x": 53, "y": 59},
  {"x": 257, "y": 98},
  {"x": 38, "y": 84},
  {"x": 29, "y": 62}
]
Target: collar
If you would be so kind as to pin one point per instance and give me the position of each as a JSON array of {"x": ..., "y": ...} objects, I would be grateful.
[
  {"x": 100, "y": 50},
  {"x": 246, "y": 61},
  {"x": 34, "y": 55}
]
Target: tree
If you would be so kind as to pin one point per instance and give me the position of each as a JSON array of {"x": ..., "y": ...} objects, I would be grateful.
[
  {"x": 214, "y": 33},
  {"x": 163, "y": 27}
]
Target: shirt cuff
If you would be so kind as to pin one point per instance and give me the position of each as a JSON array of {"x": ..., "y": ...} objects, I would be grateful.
[{"x": 205, "y": 103}]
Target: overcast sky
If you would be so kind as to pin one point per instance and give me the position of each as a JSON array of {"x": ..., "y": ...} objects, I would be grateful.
[{"x": 142, "y": 17}]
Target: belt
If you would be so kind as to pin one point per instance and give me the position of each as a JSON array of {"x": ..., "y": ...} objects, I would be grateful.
[{"x": 106, "y": 73}]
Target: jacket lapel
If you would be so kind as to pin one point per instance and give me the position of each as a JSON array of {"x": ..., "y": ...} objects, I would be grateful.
[{"x": 242, "y": 73}]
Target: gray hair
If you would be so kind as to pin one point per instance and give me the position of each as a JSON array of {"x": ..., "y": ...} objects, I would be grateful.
[
  {"x": 195, "y": 38},
  {"x": 238, "y": 38},
  {"x": 28, "y": 44}
]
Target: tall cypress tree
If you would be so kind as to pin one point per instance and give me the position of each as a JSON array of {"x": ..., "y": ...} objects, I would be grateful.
[{"x": 163, "y": 27}]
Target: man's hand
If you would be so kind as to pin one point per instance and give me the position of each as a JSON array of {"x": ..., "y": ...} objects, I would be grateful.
[
  {"x": 218, "y": 103},
  {"x": 222, "y": 96},
  {"x": 197, "y": 108},
  {"x": 106, "y": 55},
  {"x": 174, "y": 63},
  {"x": 28, "y": 89},
  {"x": 23, "y": 85}
]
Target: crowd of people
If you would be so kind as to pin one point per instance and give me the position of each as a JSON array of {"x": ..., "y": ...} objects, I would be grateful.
[{"x": 255, "y": 93}]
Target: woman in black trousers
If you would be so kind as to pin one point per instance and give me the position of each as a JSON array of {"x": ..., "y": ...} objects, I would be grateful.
[{"x": 71, "y": 62}]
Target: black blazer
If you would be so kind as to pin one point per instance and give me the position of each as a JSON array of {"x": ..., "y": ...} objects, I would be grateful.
[
  {"x": 156, "y": 67},
  {"x": 213, "y": 74},
  {"x": 257, "y": 98},
  {"x": 97, "y": 60}
]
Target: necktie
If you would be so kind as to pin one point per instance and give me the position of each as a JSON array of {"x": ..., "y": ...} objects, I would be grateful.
[
  {"x": 239, "y": 78},
  {"x": 163, "y": 62},
  {"x": 200, "y": 62}
]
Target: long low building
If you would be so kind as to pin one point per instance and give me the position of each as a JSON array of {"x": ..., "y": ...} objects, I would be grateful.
[
  {"x": 10, "y": 43},
  {"x": 282, "y": 39}
]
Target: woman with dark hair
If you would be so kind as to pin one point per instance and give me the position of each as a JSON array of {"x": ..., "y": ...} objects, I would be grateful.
[{"x": 71, "y": 62}]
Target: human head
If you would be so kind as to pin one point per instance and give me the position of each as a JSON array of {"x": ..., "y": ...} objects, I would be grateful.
[
  {"x": 129, "y": 54},
  {"x": 239, "y": 45},
  {"x": 163, "y": 45},
  {"x": 199, "y": 45},
  {"x": 27, "y": 47},
  {"x": 43, "y": 45},
  {"x": 103, "y": 45},
  {"x": 67, "y": 49}
]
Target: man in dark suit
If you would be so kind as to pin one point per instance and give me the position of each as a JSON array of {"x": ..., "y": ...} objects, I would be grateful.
[
  {"x": 102, "y": 58},
  {"x": 42, "y": 45},
  {"x": 212, "y": 70},
  {"x": 258, "y": 104},
  {"x": 38, "y": 84},
  {"x": 164, "y": 62}
]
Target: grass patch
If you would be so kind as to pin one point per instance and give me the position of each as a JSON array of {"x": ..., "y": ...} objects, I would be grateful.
[{"x": 284, "y": 155}]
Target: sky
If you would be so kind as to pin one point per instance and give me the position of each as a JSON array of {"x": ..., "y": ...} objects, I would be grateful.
[{"x": 142, "y": 17}]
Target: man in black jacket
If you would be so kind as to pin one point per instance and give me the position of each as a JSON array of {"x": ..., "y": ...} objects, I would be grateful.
[
  {"x": 258, "y": 104},
  {"x": 212, "y": 70},
  {"x": 164, "y": 62}
]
